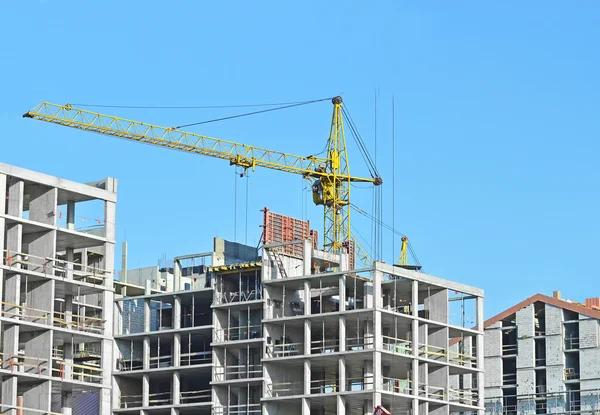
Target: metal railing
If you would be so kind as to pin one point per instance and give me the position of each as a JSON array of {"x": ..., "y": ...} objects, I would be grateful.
[
  {"x": 360, "y": 383},
  {"x": 284, "y": 349},
  {"x": 509, "y": 379},
  {"x": 222, "y": 373},
  {"x": 359, "y": 343},
  {"x": 324, "y": 346},
  {"x": 571, "y": 343},
  {"x": 464, "y": 396},
  {"x": 55, "y": 267},
  {"x": 236, "y": 297},
  {"x": 397, "y": 345},
  {"x": 252, "y": 408},
  {"x": 239, "y": 333},
  {"x": 432, "y": 392},
  {"x": 196, "y": 396},
  {"x": 165, "y": 398},
  {"x": 509, "y": 349},
  {"x": 395, "y": 385},
  {"x": 276, "y": 389},
  {"x": 571, "y": 373},
  {"x": 432, "y": 352},
  {"x": 195, "y": 358}
]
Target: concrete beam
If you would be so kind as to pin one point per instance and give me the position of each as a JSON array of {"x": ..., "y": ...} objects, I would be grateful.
[{"x": 51, "y": 181}]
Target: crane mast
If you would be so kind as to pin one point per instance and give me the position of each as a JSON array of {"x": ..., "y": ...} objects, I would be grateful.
[{"x": 329, "y": 176}]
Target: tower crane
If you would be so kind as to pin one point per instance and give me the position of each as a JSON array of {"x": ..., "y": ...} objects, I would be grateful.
[{"x": 329, "y": 176}]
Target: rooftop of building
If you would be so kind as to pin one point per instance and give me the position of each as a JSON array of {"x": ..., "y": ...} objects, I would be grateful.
[{"x": 591, "y": 307}]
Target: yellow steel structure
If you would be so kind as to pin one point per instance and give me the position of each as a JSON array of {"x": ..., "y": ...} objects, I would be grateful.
[
  {"x": 330, "y": 176},
  {"x": 403, "y": 252}
]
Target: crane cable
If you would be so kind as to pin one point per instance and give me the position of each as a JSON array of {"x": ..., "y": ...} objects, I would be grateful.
[
  {"x": 388, "y": 227},
  {"x": 361, "y": 144},
  {"x": 253, "y": 113},
  {"x": 186, "y": 107}
]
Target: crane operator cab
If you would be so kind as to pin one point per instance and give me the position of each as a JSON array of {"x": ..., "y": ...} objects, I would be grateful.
[{"x": 317, "y": 190}]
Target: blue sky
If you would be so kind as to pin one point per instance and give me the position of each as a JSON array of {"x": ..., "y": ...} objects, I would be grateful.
[{"x": 496, "y": 122}]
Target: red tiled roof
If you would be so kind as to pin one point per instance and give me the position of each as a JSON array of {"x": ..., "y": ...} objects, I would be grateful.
[{"x": 577, "y": 308}]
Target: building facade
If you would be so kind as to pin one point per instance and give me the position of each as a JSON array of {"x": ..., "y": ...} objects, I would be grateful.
[
  {"x": 57, "y": 293},
  {"x": 542, "y": 356},
  {"x": 294, "y": 331}
]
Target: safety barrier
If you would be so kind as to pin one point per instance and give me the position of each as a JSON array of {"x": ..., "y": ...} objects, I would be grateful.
[
  {"x": 277, "y": 389},
  {"x": 60, "y": 319},
  {"x": 395, "y": 385},
  {"x": 432, "y": 392},
  {"x": 324, "y": 346},
  {"x": 195, "y": 396},
  {"x": 464, "y": 396},
  {"x": 24, "y": 409},
  {"x": 237, "y": 409},
  {"x": 19, "y": 312},
  {"x": 79, "y": 322},
  {"x": 359, "y": 343},
  {"x": 397, "y": 345},
  {"x": 24, "y": 364},
  {"x": 238, "y": 333},
  {"x": 222, "y": 373},
  {"x": 56, "y": 267},
  {"x": 284, "y": 349}
]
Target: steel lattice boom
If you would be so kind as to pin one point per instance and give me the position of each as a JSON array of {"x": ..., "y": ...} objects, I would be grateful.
[{"x": 330, "y": 176}]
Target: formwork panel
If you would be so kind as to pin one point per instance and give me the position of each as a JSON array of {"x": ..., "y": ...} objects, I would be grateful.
[{"x": 282, "y": 228}]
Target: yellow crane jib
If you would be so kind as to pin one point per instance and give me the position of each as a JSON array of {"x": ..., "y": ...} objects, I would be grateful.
[{"x": 330, "y": 175}]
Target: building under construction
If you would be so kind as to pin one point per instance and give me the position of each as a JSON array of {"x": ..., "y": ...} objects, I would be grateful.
[
  {"x": 57, "y": 243},
  {"x": 290, "y": 329},
  {"x": 542, "y": 356}
]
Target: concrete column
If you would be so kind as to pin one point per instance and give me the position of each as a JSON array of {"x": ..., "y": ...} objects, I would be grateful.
[
  {"x": 176, "y": 388},
  {"x": 341, "y": 405},
  {"x": 70, "y": 215},
  {"x": 307, "y": 376},
  {"x": 146, "y": 390},
  {"x": 69, "y": 268},
  {"x": 305, "y": 406},
  {"x": 12, "y": 289},
  {"x": 415, "y": 346},
  {"x": 177, "y": 350},
  {"x": 307, "y": 299},
  {"x": 368, "y": 330},
  {"x": 146, "y": 356},
  {"x": 368, "y": 295},
  {"x": 307, "y": 337},
  {"x": 67, "y": 403},
  {"x": 307, "y": 257},
  {"x": 378, "y": 346},
  {"x": 342, "y": 373},
  {"x": 177, "y": 312},
  {"x": 342, "y": 333},
  {"x": 480, "y": 357},
  {"x": 342, "y": 293},
  {"x": 369, "y": 373},
  {"x": 124, "y": 263},
  {"x": 2, "y": 228},
  {"x": 368, "y": 407}
]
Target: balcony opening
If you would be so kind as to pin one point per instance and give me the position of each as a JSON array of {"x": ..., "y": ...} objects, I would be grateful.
[
  {"x": 572, "y": 336},
  {"x": 571, "y": 366},
  {"x": 540, "y": 352},
  {"x": 540, "y": 319},
  {"x": 509, "y": 341},
  {"x": 540, "y": 382},
  {"x": 509, "y": 402},
  {"x": 509, "y": 376}
]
